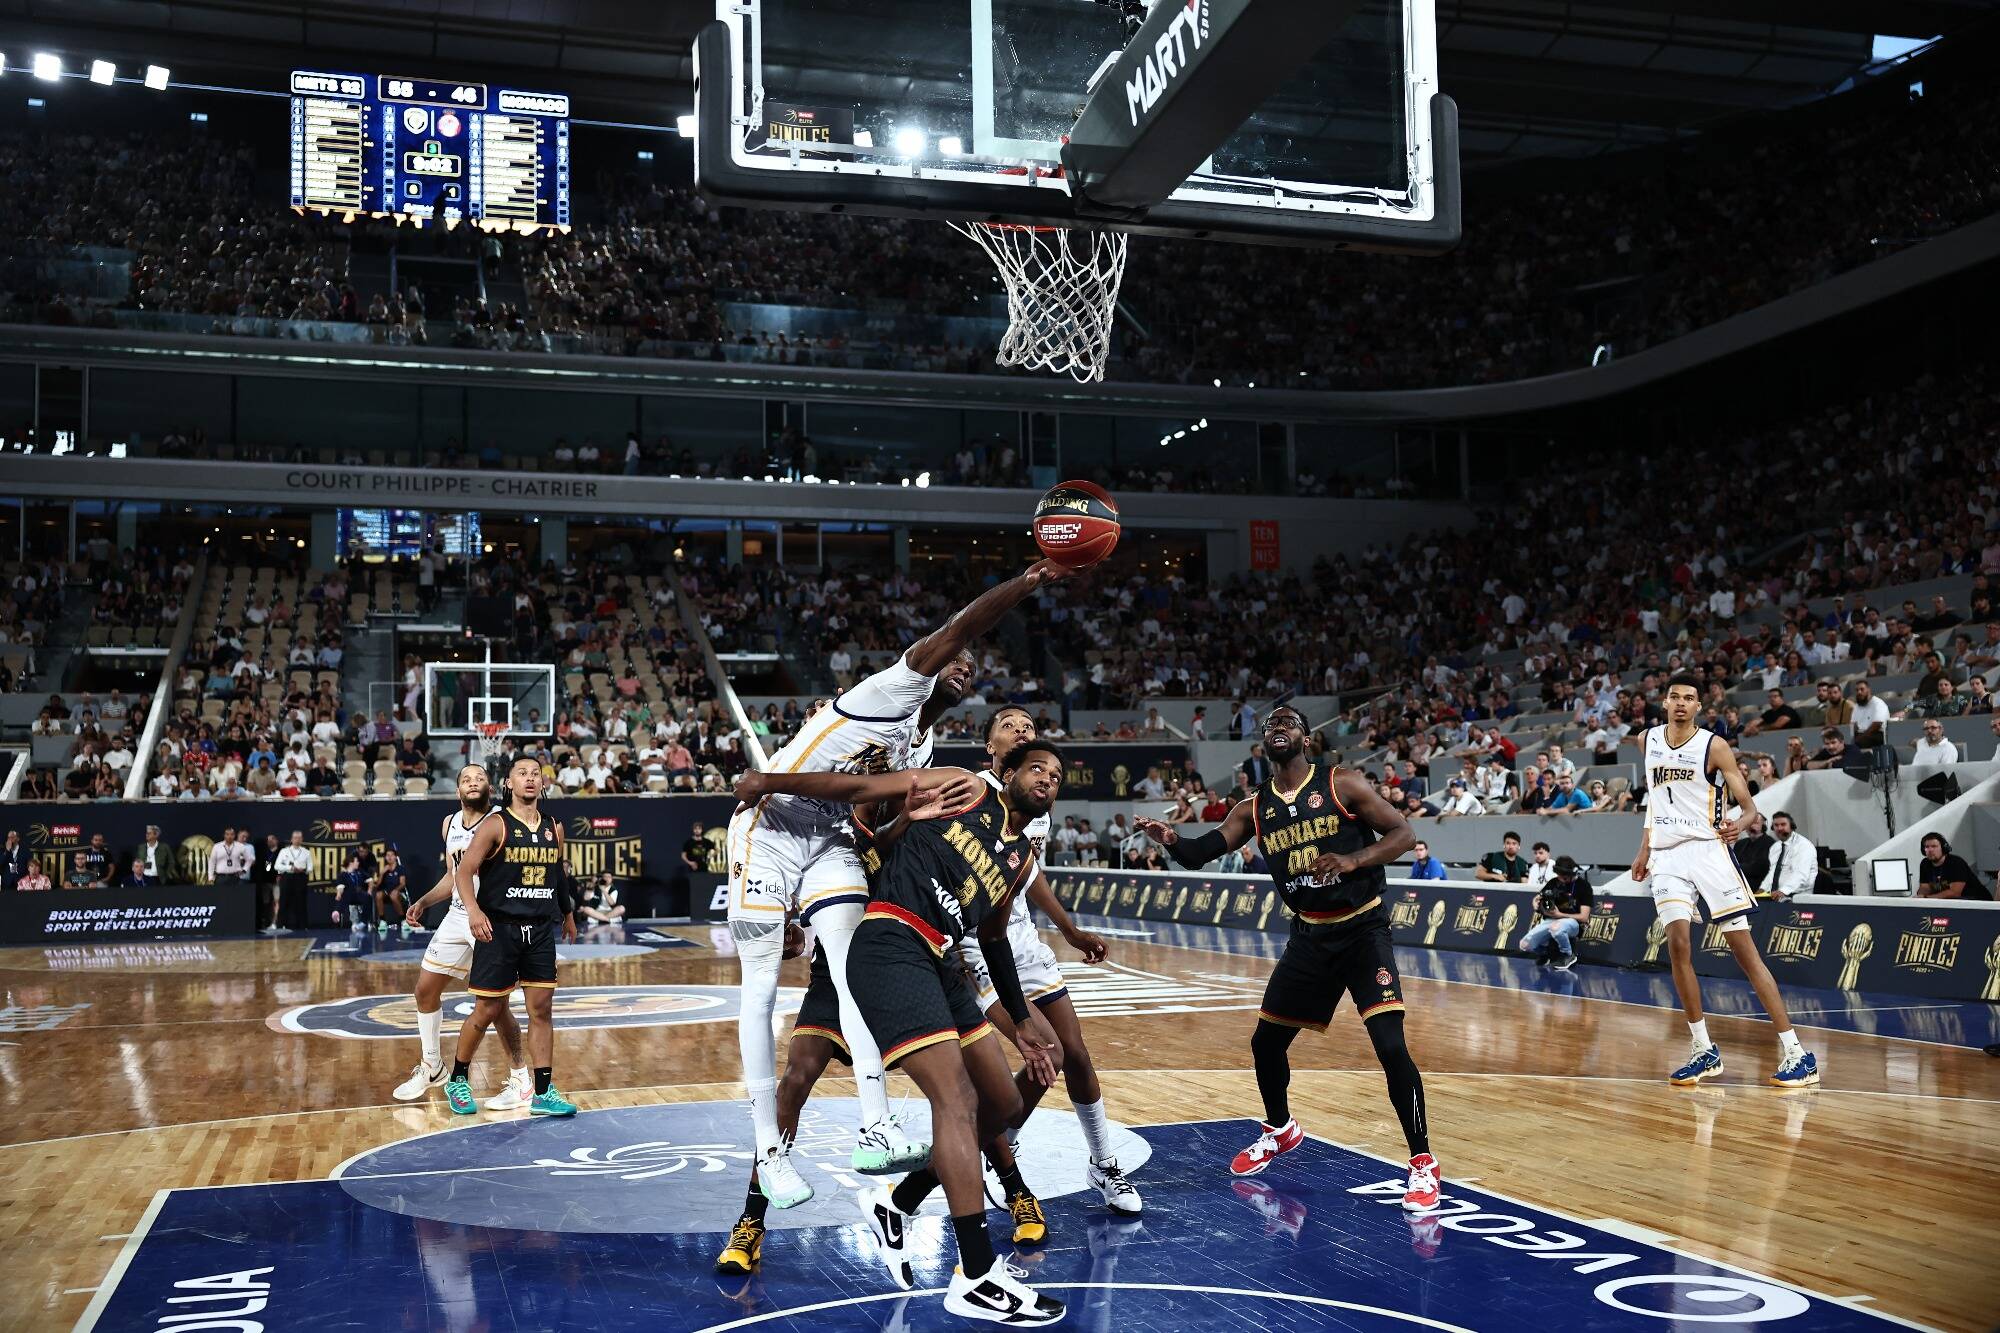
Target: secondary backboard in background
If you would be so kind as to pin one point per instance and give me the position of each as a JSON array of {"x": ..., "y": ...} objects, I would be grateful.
[
  {"x": 461, "y": 696},
  {"x": 958, "y": 108}
]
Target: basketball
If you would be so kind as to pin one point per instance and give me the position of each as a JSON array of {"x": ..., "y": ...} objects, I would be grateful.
[{"x": 1076, "y": 524}]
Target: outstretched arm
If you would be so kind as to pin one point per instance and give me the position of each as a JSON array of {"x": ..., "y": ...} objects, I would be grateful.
[
  {"x": 1040, "y": 895},
  {"x": 866, "y": 788},
  {"x": 933, "y": 653},
  {"x": 1194, "y": 853},
  {"x": 438, "y": 893}
]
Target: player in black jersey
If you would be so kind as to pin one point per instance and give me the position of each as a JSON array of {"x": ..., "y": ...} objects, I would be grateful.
[
  {"x": 1325, "y": 835},
  {"x": 523, "y": 890},
  {"x": 945, "y": 878}
]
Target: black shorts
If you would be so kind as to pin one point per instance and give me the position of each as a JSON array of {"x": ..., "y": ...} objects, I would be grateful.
[
  {"x": 819, "y": 1015},
  {"x": 1320, "y": 962},
  {"x": 522, "y": 952},
  {"x": 909, "y": 995}
]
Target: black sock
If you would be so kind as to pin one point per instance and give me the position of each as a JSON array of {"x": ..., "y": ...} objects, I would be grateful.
[
  {"x": 755, "y": 1205},
  {"x": 543, "y": 1077},
  {"x": 975, "y": 1247},
  {"x": 459, "y": 1072},
  {"x": 1274, "y": 1069},
  {"x": 1011, "y": 1183},
  {"x": 915, "y": 1188},
  {"x": 1406, "y": 1086}
]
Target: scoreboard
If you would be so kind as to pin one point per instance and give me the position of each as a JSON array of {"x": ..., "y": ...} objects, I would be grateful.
[
  {"x": 430, "y": 149},
  {"x": 403, "y": 534}
]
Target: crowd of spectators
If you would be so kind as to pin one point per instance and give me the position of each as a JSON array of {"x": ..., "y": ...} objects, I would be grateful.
[
  {"x": 1674, "y": 239},
  {"x": 98, "y": 739},
  {"x": 29, "y": 603}
]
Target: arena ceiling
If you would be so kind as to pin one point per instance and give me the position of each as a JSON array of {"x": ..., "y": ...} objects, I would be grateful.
[{"x": 1533, "y": 78}]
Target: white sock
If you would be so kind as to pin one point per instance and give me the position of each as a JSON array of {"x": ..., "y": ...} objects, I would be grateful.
[
  {"x": 764, "y": 1113},
  {"x": 1096, "y": 1130},
  {"x": 1699, "y": 1031},
  {"x": 522, "y": 1074},
  {"x": 835, "y": 926},
  {"x": 428, "y": 1027},
  {"x": 1788, "y": 1043},
  {"x": 759, "y": 956}
]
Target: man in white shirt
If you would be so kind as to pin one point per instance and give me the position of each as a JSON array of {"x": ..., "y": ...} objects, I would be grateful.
[
  {"x": 1065, "y": 842},
  {"x": 1560, "y": 765},
  {"x": 1493, "y": 785},
  {"x": 1150, "y": 787},
  {"x": 164, "y": 785},
  {"x": 1087, "y": 844},
  {"x": 1869, "y": 712},
  {"x": 571, "y": 779},
  {"x": 119, "y": 757},
  {"x": 1459, "y": 801},
  {"x": 1542, "y": 868},
  {"x": 840, "y": 662},
  {"x": 1932, "y": 747},
  {"x": 600, "y": 772},
  {"x": 292, "y": 866},
  {"x": 1794, "y": 861}
]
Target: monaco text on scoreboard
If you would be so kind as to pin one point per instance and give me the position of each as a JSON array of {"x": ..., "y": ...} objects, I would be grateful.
[{"x": 429, "y": 149}]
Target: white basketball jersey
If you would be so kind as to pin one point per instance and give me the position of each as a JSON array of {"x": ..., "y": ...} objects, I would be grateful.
[
  {"x": 1684, "y": 797},
  {"x": 869, "y": 729},
  {"x": 1037, "y": 834},
  {"x": 458, "y": 837},
  {"x": 920, "y": 753}
]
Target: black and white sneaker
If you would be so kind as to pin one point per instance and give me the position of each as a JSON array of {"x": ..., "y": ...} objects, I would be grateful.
[
  {"x": 885, "y": 1223},
  {"x": 1000, "y": 1297},
  {"x": 1563, "y": 963}
]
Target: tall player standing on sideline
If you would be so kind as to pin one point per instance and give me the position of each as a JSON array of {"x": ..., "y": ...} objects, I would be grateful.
[
  {"x": 1041, "y": 979},
  {"x": 514, "y": 884},
  {"x": 790, "y": 854},
  {"x": 1326, "y": 836},
  {"x": 1685, "y": 850},
  {"x": 448, "y": 957}
]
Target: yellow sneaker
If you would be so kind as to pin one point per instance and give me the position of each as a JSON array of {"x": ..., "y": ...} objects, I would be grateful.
[
  {"x": 1030, "y": 1227},
  {"x": 745, "y": 1248}
]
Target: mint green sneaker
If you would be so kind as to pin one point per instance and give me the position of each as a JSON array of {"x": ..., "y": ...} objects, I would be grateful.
[
  {"x": 459, "y": 1094},
  {"x": 551, "y": 1102}
]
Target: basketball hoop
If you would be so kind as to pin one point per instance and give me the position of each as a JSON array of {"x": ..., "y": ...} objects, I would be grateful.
[
  {"x": 487, "y": 739},
  {"x": 1062, "y": 293}
]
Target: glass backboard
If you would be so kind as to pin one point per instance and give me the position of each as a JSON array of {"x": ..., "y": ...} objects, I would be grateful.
[{"x": 459, "y": 697}]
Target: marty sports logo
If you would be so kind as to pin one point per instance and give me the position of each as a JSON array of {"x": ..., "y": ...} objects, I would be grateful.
[{"x": 394, "y": 1017}]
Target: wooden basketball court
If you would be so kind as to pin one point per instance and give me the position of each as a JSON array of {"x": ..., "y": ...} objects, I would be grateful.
[{"x": 137, "y": 1068}]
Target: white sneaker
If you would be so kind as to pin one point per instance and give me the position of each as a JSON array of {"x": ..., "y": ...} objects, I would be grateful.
[
  {"x": 780, "y": 1180},
  {"x": 885, "y": 1223},
  {"x": 1120, "y": 1196},
  {"x": 518, "y": 1091},
  {"x": 1000, "y": 1297},
  {"x": 422, "y": 1079},
  {"x": 883, "y": 1149}
]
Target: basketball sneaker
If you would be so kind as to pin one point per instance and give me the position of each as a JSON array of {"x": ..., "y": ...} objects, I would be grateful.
[
  {"x": 744, "y": 1250},
  {"x": 1120, "y": 1196},
  {"x": 882, "y": 1149},
  {"x": 1420, "y": 1195},
  {"x": 1000, "y": 1297},
  {"x": 422, "y": 1079},
  {"x": 779, "y": 1180},
  {"x": 1030, "y": 1226},
  {"x": 885, "y": 1223},
  {"x": 1269, "y": 1144},
  {"x": 1702, "y": 1064},
  {"x": 1797, "y": 1071},
  {"x": 515, "y": 1093},
  {"x": 551, "y": 1102},
  {"x": 1563, "y": 962},
  {"x": 458, "y": 1093}
]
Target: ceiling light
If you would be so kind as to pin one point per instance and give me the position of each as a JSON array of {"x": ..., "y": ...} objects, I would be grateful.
[
  {"x": 951, "y": 145},
  {"x": 48, "y": 66},
  {"x": 910, "y": 143},
  {"x": 863, "y": 139},
  {"x": 156, "y": 78},
  {"x": 685, "y": 125},
  {"x": 104, "y": 72}
]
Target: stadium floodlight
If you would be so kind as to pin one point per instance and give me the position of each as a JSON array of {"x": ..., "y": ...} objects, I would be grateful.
[
  {"x": 864, "y": 139},
  {"x": 48, "y": 66},
  {"x": 156, "y": 78},
  {"x": 1202, "y": 424},
  {"x": 951, "y": 145},
  {"x": 645, "y": 155},
  {"x": 103, "y": 72},
  {"x": 3, "y": 62},
  {"x": 911, "y": 142},
  {"x": 1218, "y": 384},
  {"x": 923, "y": 480},
  {"x": 685, "y": 125}
]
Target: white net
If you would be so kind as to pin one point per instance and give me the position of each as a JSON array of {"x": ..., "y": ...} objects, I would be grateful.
[
  {"x": 487, "y": 740},
  {"x": 1062, "y": 293}
]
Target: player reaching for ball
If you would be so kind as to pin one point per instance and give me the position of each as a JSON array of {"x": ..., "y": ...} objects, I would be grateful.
[
  {"x": 1076, "y": 524},
  {"x": 1684, "y": 848},
  {"x": 1326, "y": 836}
]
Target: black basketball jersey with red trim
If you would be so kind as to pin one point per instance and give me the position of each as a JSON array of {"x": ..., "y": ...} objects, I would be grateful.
[
  {"x": 1298, "y": 828},
  {"x": 945, "y": 876}
]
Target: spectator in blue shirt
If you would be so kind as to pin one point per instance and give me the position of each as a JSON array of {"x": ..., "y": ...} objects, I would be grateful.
[
  {"x": 355, "y": 898},
  {"x": 1426, "y": 866},
  {"x": 1567, "y": 800}
]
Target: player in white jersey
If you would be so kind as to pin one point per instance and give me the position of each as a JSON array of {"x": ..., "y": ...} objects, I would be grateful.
[
  {"x": 1685, "y": 849},
  {"x": 791, "y": 855},
  {"x": 1042, "y": 983},
  {"x": 449, "y": 955}
]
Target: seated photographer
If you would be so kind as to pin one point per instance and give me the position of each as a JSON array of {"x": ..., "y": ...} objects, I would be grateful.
[{"x": 1563, "y": 906}]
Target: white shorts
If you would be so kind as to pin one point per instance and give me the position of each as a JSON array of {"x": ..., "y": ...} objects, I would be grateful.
[
  {"x": 1041, "y": 977},
  {"x": 450, "y": 950},
  {"x": 774, "y": 869},
  {"x": 1704, "y": 868}
]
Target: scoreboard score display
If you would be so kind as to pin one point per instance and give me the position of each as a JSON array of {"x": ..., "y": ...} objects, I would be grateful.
[{"x": 430, "y": 149}]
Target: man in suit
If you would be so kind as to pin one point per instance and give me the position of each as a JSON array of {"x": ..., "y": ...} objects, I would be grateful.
[
  {"x": 1257, "y": 768},
  {"x": 13, "y": 862}
]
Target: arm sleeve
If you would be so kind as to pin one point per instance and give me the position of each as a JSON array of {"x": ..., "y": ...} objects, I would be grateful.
[
  {"x": 1194, "y": 853},
  {"x": 999, "y": 955}
]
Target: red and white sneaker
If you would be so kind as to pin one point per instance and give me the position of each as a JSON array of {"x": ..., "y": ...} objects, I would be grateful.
[
  {"x": 1269, "y": 1144},
  {"x": 1421, "y": 1196}
]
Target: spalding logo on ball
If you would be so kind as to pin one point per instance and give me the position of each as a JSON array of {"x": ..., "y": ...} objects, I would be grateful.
[{"x": 1076, "y": 524}]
